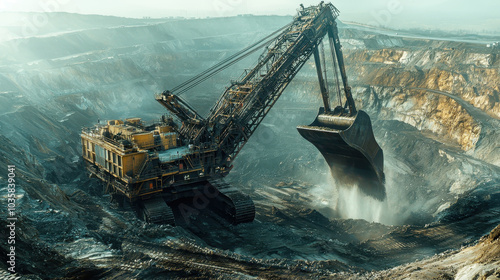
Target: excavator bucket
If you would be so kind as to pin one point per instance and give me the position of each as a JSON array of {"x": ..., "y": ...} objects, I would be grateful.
[{"x": 350, "y": 149}]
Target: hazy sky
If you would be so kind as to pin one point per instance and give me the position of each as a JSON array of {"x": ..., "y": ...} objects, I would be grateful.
[{"x": 445, "y": 14}]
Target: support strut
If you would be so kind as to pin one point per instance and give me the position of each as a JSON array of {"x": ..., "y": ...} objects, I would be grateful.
[{"x": 322, "y": 85}]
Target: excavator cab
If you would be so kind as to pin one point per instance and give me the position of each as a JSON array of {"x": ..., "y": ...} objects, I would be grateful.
[{"x": 344, "y": 135}]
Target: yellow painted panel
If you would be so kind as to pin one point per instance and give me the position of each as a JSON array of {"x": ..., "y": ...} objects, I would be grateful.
[
  {"x": 133, "y": 163},
  {"x": 115, "y": 122},
  {"x": 164, "y": 129},
  {"x": 169, "y": 141},
  {"x": 144, "y": 140}
]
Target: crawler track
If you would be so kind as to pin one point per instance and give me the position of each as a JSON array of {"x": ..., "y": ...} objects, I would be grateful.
[
  {"x": 156, "y": 211},
  {"x": 233, "y": 205}
]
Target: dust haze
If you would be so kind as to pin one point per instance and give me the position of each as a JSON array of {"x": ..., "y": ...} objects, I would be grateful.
[
  {"x": 462, "y": 15},
  {"x": 433, "y": 101}
]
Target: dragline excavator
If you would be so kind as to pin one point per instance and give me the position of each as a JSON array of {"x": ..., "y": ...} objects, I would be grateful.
[{"x": 174, "y": 167}]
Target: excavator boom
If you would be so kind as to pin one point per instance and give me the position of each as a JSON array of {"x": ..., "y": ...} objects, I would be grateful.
[
  {"x": 245, "y": 104},
  {"x": 160, "y": 167},
  {"x": 343, "y": 134}
]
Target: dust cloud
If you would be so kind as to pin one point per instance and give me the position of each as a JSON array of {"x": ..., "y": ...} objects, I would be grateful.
[{"x": 347, "y": 198}]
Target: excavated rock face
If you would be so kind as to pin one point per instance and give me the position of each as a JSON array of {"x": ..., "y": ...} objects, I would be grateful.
[
  {"x": 439, "y": 114},
  {"x": 434, "y": 107},
  {"x": 451, "y": 91},
  {"x": 466, "y": 73}
]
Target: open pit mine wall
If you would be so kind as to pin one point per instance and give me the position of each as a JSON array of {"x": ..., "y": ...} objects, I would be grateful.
[{"x": 450, "y": 89}]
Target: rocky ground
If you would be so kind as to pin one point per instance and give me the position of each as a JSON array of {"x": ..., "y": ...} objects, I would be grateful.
[{"x": 435, "y": 110}]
